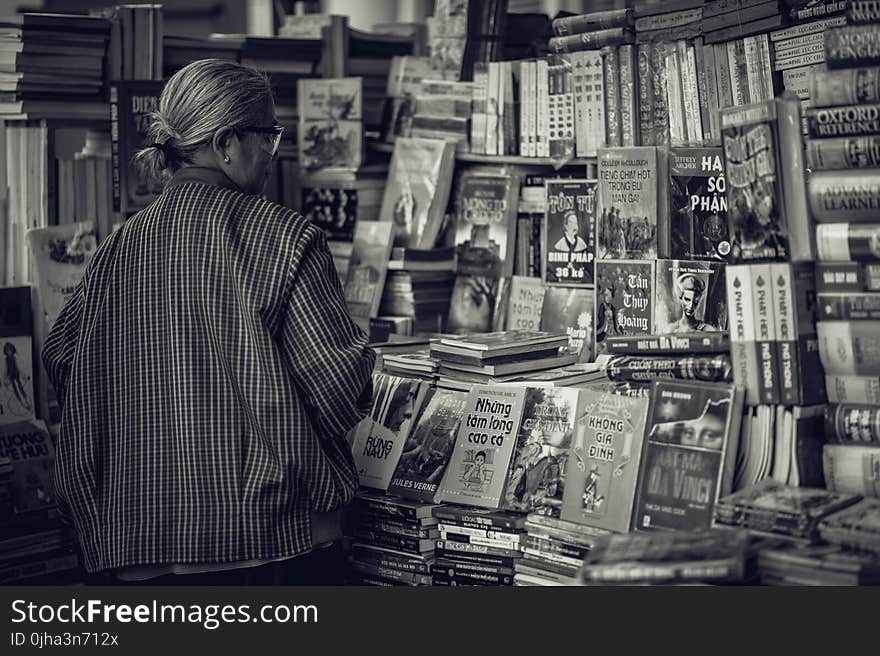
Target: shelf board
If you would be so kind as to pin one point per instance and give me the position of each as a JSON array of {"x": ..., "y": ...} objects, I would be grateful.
[{"x": 475, "y": 158}]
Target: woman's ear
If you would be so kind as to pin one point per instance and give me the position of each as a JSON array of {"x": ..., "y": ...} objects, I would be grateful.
[{"x": 224, "y": 143}]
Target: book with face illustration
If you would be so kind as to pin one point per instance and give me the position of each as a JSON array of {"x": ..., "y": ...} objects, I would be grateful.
[{"x": 690, "y": 297}]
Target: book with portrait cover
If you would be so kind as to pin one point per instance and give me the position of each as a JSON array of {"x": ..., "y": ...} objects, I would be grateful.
[
  {"x": 419, "y": 182},
  {"x": 485, "y": 222},
  {"x": 755, "y": 212},
  {"x": 628, "y": 212},
  {"x": 690, "y": 296},
  {"x": 600, "y": 481},
  {"x": 689, "y": 453},
  {"x": 568, "y": 239},
  {"x": 624, "y": 299},
  {"x": 331, "y": 127},
  {"x": 378, "y": 439},
  {"x": 536, "y": 479},
  {"x": 483, "y": 447},
  {"x": 427, "y": 451},
  {"x": 131, "y": 106},
  {"x": 570, "y": 310},
  {"x": 698, "y": 211},
  {"x": 367, "y": 269},
  {"x": 16, "y": 365}
]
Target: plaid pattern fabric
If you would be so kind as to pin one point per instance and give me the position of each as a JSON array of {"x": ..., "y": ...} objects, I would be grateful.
[{"x": 209, "y": 374}]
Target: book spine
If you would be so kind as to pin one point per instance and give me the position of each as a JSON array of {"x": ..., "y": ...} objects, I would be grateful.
[
  {"x": 849, "y": 242},
  {"x": 716, "y": 342},
  {"x": 735, "y": 80},
  {"x": 532, "y": 108},
  {"x": 849, "y": 348},
  {"x": 492, "y": 100},
  {"x": 722, "y": 74},
  {"x": 695, "y": 119},
  {"x": 849, "y": 307},
  {"x": 611, "y": 64},
  {"x": 863, "y": 390},
  {"x": 631, "y": 368},
  {"x": 478, "y": 109},
  {"x": 752, "y": 80},
  {"x": 669, "y": 20},
  {"x": 765, "y": 334},
  {"x": 782, "y": 48},
  {"x": 675, "y": 100},
  {"x": 390, "y": 573},
  {"x": 579, "y": 80},
  {"x": 542, "y": 129},
  {"x": 766, "y": 64},
  {"x": 847, "y": 277},
  {"x": 713, "y": 101},
  {"x": 660, "y": 93},
  {"x": 852, "y": 469},
  {"x": 843, "y": 153},
  {"x": 698, "y": 52},
  {"x": 807, "y": 28},
  {"x": 742, "y": 70},
  {"x": 862, "y": 12},
  {"x": 852, "y": 45},
  {"x": 743, "y": 354},
  {"x": 782, "y": 287},
  {"x": 807, "y": 59},
  {"x": 852, "y": 422},
  {"x": 646, "y": 96},
  {"x": 590, "y": 40},
  {"x": 595, "y": 102},
  {"x": 850, "y": 120},
  {"x": 844, "y": 195},
  {"x": 844, "y": 87},
  {"x": 801, "y": 237},
  {"x": 629, "y": 120},
  {"x": 597, "y": 20},
  {"x": 800, "y": 55}
]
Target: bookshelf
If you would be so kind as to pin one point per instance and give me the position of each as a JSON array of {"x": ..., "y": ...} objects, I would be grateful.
[{"x": 513, "y": 160}]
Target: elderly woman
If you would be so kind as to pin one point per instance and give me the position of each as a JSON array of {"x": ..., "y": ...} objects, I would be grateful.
[{"x": 206, "y": 364}]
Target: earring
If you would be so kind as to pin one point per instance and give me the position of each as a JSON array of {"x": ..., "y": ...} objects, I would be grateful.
[{"x": 226, "y": 159}]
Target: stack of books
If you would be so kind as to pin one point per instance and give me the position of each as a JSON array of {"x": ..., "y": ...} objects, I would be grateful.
[
  {"x": 137, "y": 42},
  {"x": 855, "y": 528},
  {"x": 419, "y": 365},
  {"x": 391, "y": 541},
  {"x": 817, "y": 564},
  {"x": 477, "y": 546},
  {"x": 443, "y": 111},
  {"x": 553, "y": 551},
  {"x": 178, "y": 51},
  {"x": 52, "y": 66}
]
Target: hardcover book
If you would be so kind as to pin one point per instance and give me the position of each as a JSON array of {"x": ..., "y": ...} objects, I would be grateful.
[
  {"x": 17, "y": 367},
  {"x": 367, "y": 270},
  {"x": 691, "y": 440},
  {"x": 690, "y": 296},
  {"x": 628, "y": 212},
  {"x": 600, "y": 481},
  {"x": 331, "y": 128},
  {"x": 698, "y": 212},
  {"x": 570, "y": 310},
  {"x": 758, "y": 229},
  {"x": 484, "y": 445},
  {"x": 379, "y": 439},
  {"x": 624, "y": 295},
  {"x": 429, "y": 447},
  {"x": 415, "y": 198},
  {"x": 844, "y": 196},
  {"x": 536, "y": 480},
  {"x": 568, "y": 239}
]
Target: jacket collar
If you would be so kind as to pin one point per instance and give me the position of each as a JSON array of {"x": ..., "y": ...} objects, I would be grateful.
[{"x": 203, "y": 175}]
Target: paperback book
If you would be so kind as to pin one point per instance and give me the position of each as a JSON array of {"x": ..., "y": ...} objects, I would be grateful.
[
  {"x": 570, "y": 310},
  {"x": 628, "y": 211},
  {"x": 698, "y": 212},
  {"x": 331, "y": 128},
  {"x": 690, "y": 296},
  {"x": 624, "y": 299},
  {"x": 368, "y": 267},
  {"x": 568, "y": 239},
  {"x": 16, "y": 341}
]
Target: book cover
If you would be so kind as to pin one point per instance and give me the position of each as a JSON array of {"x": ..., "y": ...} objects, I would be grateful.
[
  {"x": 334, "y": 210},
  {"x": 690, "y": 296},
  {"x": 570, "y": 311},
  {"x": 691, "y": 439},
  {"x": 427, "y": 450},
  {"x": 698, "y": 212},
  {"x": 474, "y": 305},
  {"x": 851, "y": 46},
  {"x": 568, "y": 239},
  {"x": 485, "y": 223},
  {"x": 132, "y": 104},
  {"x": 379, "y": 439},
  {"x": 525, "y": 303},
  {"x": 519, "y": 341},
  {"x": 627, "y": 213},
  {"x": 849, "y": 348},
  {"x": 644, "y": 369},
  {"x": 483, "y": 447},
  {"x": 28, "y": 445},
  {"x": 755, "y": 212},
  {"x": 367, "y": 270},
  {"x": 624, "y": 295},
  {"x": 417, "y": 192},
  {"x": 844, "y": 196},
  {"x": 600, "y": 482},
  {"x": 17, "y": 366},
  {"x": 536, "y": 479}
]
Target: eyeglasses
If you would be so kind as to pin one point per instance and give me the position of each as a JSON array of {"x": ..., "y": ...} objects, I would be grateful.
[{"x": 275, "y": 132}]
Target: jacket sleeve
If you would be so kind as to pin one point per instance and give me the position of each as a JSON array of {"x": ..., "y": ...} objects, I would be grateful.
[
  {"x": 61, "y": 342},
  {"x": 325, "y": 350}
]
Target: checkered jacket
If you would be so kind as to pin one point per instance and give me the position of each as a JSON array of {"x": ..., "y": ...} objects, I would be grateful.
[{"x": 209, "y": 373}]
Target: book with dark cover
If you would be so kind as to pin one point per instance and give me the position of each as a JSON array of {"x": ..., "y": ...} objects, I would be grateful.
[
  {"x": 17, "y": 367},
  {"x": 848, "y": 307},
  {"x": 427, "y": 451},
  {"x": 624, "y": 299},
  {"x": 485, "y": 518},
  {"x": 537, "y": 474},
  {"x": 600, "y": 481},
  {"x": 691, "y": 440},
  {"x": 637, "y": 368},
  {"x": 674, "y": 344},
  {"x": 628, "y": 214},
  {"x": 568, "y": 238},
  {"x": 475, "y": 303},
  {"x": 131, "y": 106},
  {"x": 847, "y": 277},
  {"x": 755, "y": 212},
  {"x": 613, "y": 36},
  {"x": 570, "y": 310},
  {"x": 698, "y": 212},
  {"x": 852, "y": 45},
  {"x": 371, "y": 501},
  {"x": 367, "y": 269},
  {"x": 31, "y": 484},
  {"x": 334, "y": 210},
  {"x": 690, "y": 296}
]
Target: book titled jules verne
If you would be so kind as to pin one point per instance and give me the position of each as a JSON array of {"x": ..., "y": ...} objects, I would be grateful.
[
  {"x": 691, "y": 440},
  {"x": 690, "y": 296},
  {"x": 536, "y": 478},
  {"x": 367, "y": 269},
  {"x": 698, "y": 211},
  {"x": 624, "y": 299},
  {"x": 568, "y": 242},
  {"x": 570, "y": 310},
  {"x": 427, "y": 451},
  {"x": 628, "y": 211},
  {"x": 16, "y": 365},
  {"x": 419, "y": 182},
  {"x": 484, "y": 445},
  {"x": 600, "y": 482}
]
